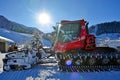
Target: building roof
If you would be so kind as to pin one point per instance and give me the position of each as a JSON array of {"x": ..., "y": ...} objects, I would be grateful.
[{"x": 6, "y": 39}]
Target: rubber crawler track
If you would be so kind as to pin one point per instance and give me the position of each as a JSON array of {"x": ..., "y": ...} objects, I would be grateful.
[
  {"x": 88, "y": 68},
  {"x": 103, "y": 62}
]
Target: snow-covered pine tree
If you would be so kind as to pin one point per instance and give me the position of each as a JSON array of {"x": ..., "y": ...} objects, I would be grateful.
[{"x": 36, "y": 43}]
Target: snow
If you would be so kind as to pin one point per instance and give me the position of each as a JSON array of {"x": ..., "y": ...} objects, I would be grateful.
[
  {"x": 50, "y": 72},
  {"x": 15, "y": 36},
  {"x": 107, "y": 40},
  {"x": 46, "y": 43},
  {"x": 20, "y": 37},
  {"x": 1, "y": 63},
  {"x": 6, "y": 39},
  {"x": 109, "y": 36}
]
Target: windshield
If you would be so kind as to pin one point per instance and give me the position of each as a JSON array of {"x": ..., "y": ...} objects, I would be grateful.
[{"x": 69, "y": 32}]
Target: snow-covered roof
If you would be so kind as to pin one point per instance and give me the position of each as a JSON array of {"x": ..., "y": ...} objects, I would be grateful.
[{"x": 5, "y": 39}]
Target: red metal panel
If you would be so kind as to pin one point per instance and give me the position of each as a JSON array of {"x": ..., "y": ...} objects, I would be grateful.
[{"x": 76, "y": 44}]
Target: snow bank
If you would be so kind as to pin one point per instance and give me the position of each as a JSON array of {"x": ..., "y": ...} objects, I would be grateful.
[{"x": 1, "y": 62}]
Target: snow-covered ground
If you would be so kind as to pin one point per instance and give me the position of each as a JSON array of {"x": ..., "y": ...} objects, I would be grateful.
[
  {"x": 50, "y": 72},
  {"x": 114, "y": 43}
]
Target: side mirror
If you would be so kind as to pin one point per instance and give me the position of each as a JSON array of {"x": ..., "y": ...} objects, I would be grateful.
[
  {"x": 87, "y": 23},
  {"x": 87, "y": 27},
  {"x": 54, "y": 28},
  {"x": 62, "y": 31}
]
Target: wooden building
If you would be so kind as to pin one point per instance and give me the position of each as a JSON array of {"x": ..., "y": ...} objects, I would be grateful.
[{"x": 4, "y": 44}]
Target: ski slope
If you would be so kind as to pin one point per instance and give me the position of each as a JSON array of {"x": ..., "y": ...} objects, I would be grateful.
[
  {"x": 15, "y": 36},
  {"x": 20, "y": 37}
]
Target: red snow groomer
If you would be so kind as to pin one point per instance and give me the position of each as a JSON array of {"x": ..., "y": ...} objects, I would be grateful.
[{"x": 76, "y": 49}]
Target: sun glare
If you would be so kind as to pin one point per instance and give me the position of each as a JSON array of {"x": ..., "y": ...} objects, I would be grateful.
[{"x": 44, "y": 18}]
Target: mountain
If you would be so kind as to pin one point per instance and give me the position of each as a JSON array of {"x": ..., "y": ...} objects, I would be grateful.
[
  {"x": 13, "y": 26},
  {"x": 15, "y": 36},
  {"x": 21, "y": 37},
  {"x": 107, "y": 29}
]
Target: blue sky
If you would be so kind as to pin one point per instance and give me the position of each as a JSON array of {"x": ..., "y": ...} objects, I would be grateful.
[{"x": 93, "y": 11}]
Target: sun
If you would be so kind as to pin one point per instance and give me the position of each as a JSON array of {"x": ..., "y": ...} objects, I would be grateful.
[{"x": 44, "y": 18}]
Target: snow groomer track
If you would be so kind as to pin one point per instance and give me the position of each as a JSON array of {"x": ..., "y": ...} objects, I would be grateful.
[{"x": 90, "y": 63}]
